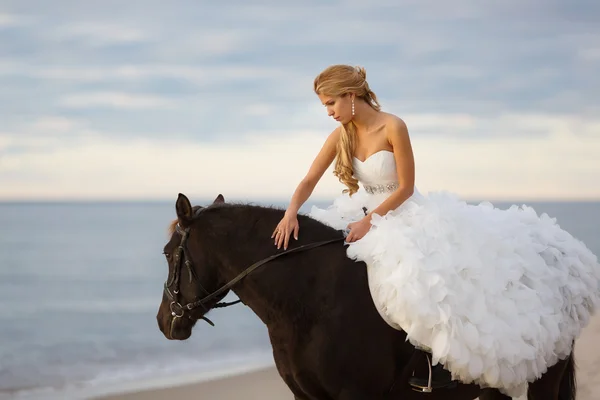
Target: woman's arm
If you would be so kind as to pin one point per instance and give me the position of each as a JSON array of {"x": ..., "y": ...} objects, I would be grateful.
[
  {"x": 289, "y": 222},
  {"x": 398, "y": 137},
  {"x": 318, "y": 167}
]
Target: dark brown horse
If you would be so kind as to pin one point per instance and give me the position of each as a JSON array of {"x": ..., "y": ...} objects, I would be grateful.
[{"x": 329, "y": 341}]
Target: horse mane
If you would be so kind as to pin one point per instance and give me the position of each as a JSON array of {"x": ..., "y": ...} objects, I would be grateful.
[
  {"x": 249, "y": 227},
  {"x": 265, "y": 211}
]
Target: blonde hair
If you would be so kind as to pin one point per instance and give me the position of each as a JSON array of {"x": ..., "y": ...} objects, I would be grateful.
[{"x": 336, "y": 81}]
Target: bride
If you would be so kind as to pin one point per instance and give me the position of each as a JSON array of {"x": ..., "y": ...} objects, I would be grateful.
[{"x": 496, "y": 296}]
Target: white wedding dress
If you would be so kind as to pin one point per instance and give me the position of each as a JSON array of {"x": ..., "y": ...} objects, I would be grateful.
[{"x": 497, "y": 296}]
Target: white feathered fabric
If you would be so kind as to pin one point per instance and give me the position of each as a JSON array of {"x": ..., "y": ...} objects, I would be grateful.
[{"x": 497, "y": 295}]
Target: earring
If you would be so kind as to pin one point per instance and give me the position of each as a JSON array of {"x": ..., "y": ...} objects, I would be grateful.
[{"x": 352, "y": 107}]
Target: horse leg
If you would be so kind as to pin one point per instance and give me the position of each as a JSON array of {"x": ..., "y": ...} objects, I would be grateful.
[
  {"x": 305, "y": 386},
  {"x": 288, "y": 378},
  {"x": 294, "y": 388},
  {"x": 558, "y": 383},
  {"x": 493, "y": 394}
]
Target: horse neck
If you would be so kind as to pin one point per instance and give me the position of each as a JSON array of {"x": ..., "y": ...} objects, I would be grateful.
[{"x": 242, "y": 237}]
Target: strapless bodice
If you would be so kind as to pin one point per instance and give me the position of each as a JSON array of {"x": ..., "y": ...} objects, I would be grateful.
[{"x": 378, "y": 172}]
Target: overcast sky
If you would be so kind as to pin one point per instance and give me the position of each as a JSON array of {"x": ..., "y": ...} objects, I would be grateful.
[{"x": 145, "y": 99}]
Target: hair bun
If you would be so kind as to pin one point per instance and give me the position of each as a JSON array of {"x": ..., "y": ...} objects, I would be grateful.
[{"x": 362, "y": 72}]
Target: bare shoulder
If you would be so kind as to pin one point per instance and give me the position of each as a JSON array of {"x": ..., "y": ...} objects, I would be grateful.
[
  {"x": 394, "y": 122},
  {"x": 396, "y": 129},
  {"x": 398, "y": 138},
  {"x": 335, "y": 134},
  {"x": 324, "y": 159},
  {"x": 333, "y": 138}
]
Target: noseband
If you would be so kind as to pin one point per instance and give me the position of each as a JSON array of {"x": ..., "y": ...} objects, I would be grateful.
[{"x": 178, "y": 310}]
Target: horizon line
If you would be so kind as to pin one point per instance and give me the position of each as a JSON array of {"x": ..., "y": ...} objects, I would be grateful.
[{"x": 273, "y": 199}]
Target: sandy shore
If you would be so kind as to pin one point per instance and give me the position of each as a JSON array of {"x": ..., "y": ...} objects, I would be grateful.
[
  {"x": 262, "y": 384},
  {"x": 266, "y": 383},
  {"x": 587, "y": 360}
]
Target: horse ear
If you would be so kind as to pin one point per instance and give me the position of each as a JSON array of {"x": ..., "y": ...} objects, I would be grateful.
[
  {"x": 184, "y": 210},
  {"x": 219, "y": 199}
]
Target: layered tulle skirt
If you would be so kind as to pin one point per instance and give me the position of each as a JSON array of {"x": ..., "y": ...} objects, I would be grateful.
[{"x": 497, "y": 295}]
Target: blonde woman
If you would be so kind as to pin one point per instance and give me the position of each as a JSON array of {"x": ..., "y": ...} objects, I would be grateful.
[{"x": 497, "y": 296}]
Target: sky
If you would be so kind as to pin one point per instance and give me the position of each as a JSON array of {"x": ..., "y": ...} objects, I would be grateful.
[{"x": 145, "y": 99}]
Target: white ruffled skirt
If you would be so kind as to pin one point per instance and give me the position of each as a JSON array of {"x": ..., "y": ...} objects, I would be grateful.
[{"x": 498, "y": 296}]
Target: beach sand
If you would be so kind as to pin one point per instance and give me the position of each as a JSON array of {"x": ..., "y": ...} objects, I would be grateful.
[
  {"x": 266, "y": 383},
  {"x": 262, "y": 384}
]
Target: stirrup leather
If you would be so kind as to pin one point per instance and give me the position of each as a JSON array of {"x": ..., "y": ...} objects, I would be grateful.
[{"x": 428, "y": 388}]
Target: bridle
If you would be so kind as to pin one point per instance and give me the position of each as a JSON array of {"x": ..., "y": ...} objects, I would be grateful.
[
  {"x": 181, "y": 254},
  {"x": 176, "y": 308}
]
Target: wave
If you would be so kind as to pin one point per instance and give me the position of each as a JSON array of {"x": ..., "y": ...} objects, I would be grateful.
[{"x": 158, "y": 373}]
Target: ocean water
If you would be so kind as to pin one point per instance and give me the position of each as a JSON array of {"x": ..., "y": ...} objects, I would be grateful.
[{"x": 80, "y": 285}]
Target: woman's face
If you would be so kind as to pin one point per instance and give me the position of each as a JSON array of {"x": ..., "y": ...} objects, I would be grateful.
[{"x": 339, "y": 108}]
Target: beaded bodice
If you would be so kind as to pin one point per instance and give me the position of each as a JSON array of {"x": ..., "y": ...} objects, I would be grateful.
[{"x": 377, "y": 173}]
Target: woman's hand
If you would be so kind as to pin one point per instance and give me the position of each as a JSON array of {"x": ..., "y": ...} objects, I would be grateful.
[
  {"x": 358, "y": 229},
  {"x": 287, "y": 225}
]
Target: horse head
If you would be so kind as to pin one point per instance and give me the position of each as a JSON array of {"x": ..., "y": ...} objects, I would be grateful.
[{"x": 193, "y": 281}]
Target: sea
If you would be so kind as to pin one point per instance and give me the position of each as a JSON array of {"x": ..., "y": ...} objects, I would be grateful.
[{"x": 80, "y": 286}]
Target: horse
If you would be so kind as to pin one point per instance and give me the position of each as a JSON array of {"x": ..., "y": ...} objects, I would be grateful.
[{"x": 328, "y": 339}]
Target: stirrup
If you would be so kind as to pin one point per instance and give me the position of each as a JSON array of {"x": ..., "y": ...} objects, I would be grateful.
[{"x": 424, "y": 389}]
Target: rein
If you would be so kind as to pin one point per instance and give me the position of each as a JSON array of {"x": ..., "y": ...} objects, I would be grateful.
[{"x": 178, "y": 310}]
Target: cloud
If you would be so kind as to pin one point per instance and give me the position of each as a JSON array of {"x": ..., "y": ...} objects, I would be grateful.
[
  {"x": 14, "y": 20},
  {"x": 49, "y": 125},
  {"x": 115, "y": 99},
  {"x": 261, "y": 168},
  {"x": 503, "y": 125},
  {"x": 198, "y": 75},
  {"x": 221, "y": 74},
  {"x": 94, "y": 34},
  {"x": 256, "y": 165},
  {"x": 591, "y": 54}
]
